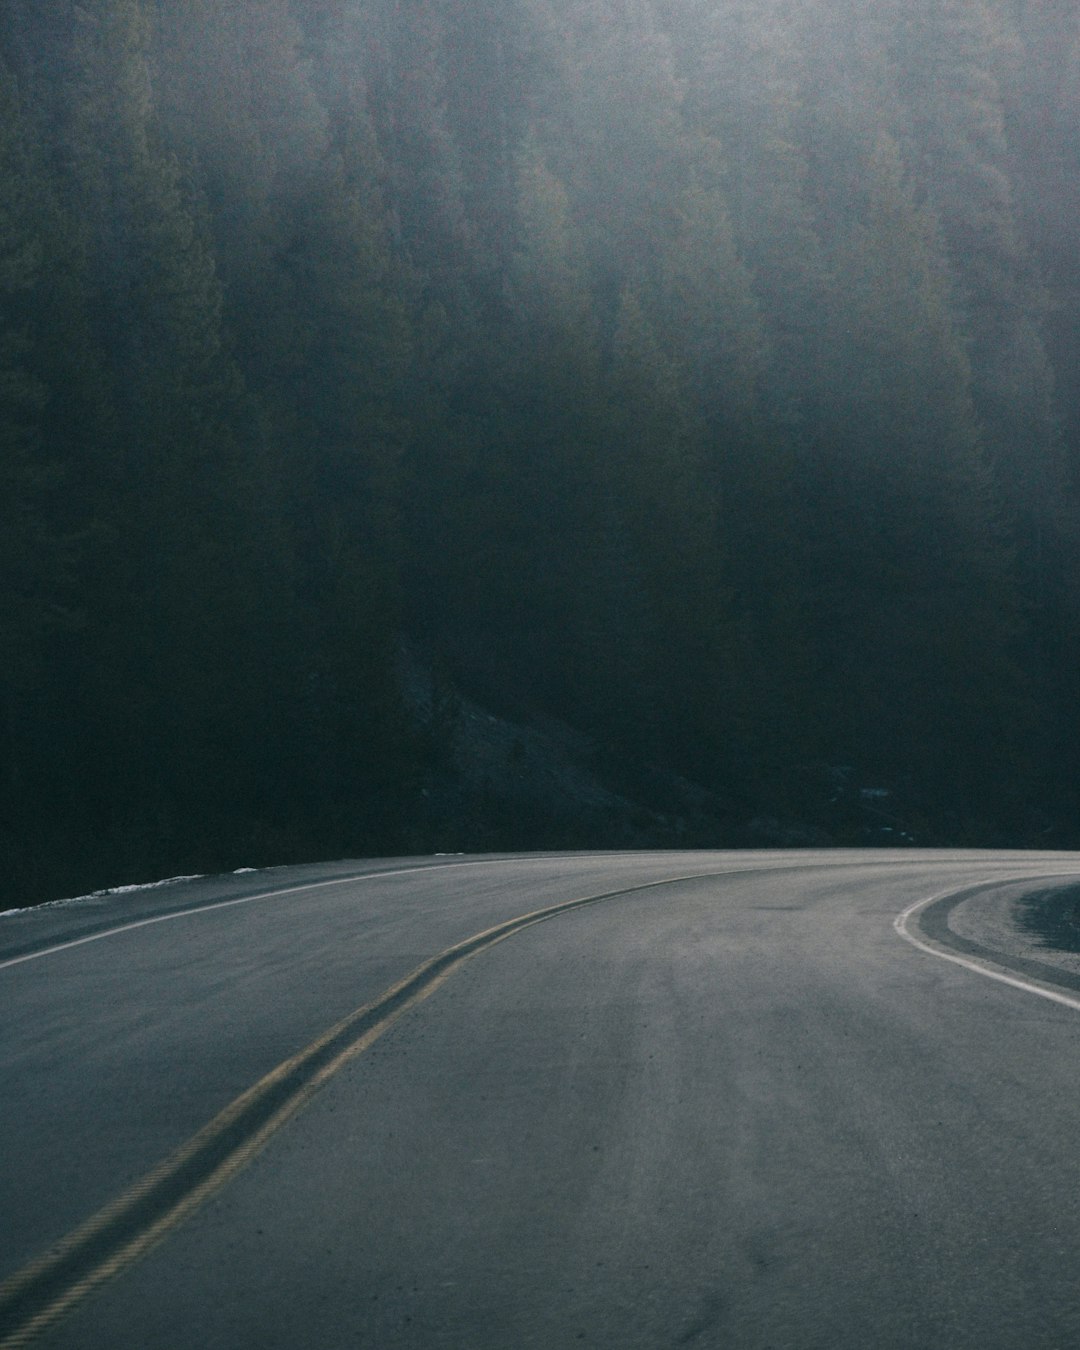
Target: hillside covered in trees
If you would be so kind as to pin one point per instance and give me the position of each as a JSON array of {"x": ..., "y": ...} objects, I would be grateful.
[{"x": 701, "y": 374}]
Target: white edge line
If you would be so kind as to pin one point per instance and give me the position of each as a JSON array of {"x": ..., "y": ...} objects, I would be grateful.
[
  {"x": 899, "y": 923},
  {"x": 213, "y": 906},
  {"x": 969, "y": 963}
]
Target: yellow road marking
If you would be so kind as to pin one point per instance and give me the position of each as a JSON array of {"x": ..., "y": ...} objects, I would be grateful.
[
  {"x": 48, "y": 1289},
  {"x": 51, "y": 1287}
]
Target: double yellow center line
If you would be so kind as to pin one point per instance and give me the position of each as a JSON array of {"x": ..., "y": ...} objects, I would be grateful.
[{"x": 48, "y": 1289}]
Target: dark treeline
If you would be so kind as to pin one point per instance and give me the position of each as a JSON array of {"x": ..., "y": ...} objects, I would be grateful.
[{"x": 705, "y": 375}]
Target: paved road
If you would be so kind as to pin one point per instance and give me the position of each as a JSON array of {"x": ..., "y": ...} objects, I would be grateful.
[{"x": 734, "y": 1110}]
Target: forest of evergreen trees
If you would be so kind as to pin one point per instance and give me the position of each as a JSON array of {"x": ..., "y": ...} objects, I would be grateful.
[{"x": 702, "y": 373}]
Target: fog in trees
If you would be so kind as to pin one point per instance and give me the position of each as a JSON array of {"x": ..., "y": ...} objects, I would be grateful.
[{"x": 697, "y": 379}]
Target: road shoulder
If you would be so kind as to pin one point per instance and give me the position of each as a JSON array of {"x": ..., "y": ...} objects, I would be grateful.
[{"x": 1030, "y": 928}]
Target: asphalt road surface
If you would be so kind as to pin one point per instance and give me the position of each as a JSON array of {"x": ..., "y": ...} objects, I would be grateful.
[{"x": 733, "y": 1109}]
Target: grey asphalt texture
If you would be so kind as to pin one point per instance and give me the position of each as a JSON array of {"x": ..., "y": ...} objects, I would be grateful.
[{"x": 735, "y": 1111}]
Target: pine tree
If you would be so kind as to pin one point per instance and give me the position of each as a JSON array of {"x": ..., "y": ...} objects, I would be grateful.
[
  {"x": 745, "y": 69},
  {"x": 614, "y": 138},
  {"x": 921, "y": 610},
  {"x": 52, "y": 418},
  {"x": 28, "y": 552},
  {"x": 956, "y": 112}
]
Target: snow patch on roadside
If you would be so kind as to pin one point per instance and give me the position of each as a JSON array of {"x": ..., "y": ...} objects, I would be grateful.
[{"x": 96, "y": 897}]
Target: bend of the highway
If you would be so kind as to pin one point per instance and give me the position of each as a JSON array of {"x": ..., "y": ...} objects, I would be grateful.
[{"x": 618, "y": 1100}]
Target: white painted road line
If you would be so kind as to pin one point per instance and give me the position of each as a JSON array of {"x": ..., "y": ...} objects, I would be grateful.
[
  {"x": 215, "y": 905},
  {"x": 992, "y": 972}
]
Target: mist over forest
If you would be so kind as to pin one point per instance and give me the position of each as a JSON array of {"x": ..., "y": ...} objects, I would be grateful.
[{"x": 698, "y": 377}]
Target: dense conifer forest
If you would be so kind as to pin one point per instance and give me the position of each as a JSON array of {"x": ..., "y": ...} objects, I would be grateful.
[{"x": 702, "y": 374}]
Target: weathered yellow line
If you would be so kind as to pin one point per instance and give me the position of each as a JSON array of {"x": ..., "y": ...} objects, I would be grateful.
[{"x": 51, "y": 1287}]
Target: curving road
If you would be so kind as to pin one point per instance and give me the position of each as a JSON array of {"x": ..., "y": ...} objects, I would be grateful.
[{"x": 726, "y": 1105}]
